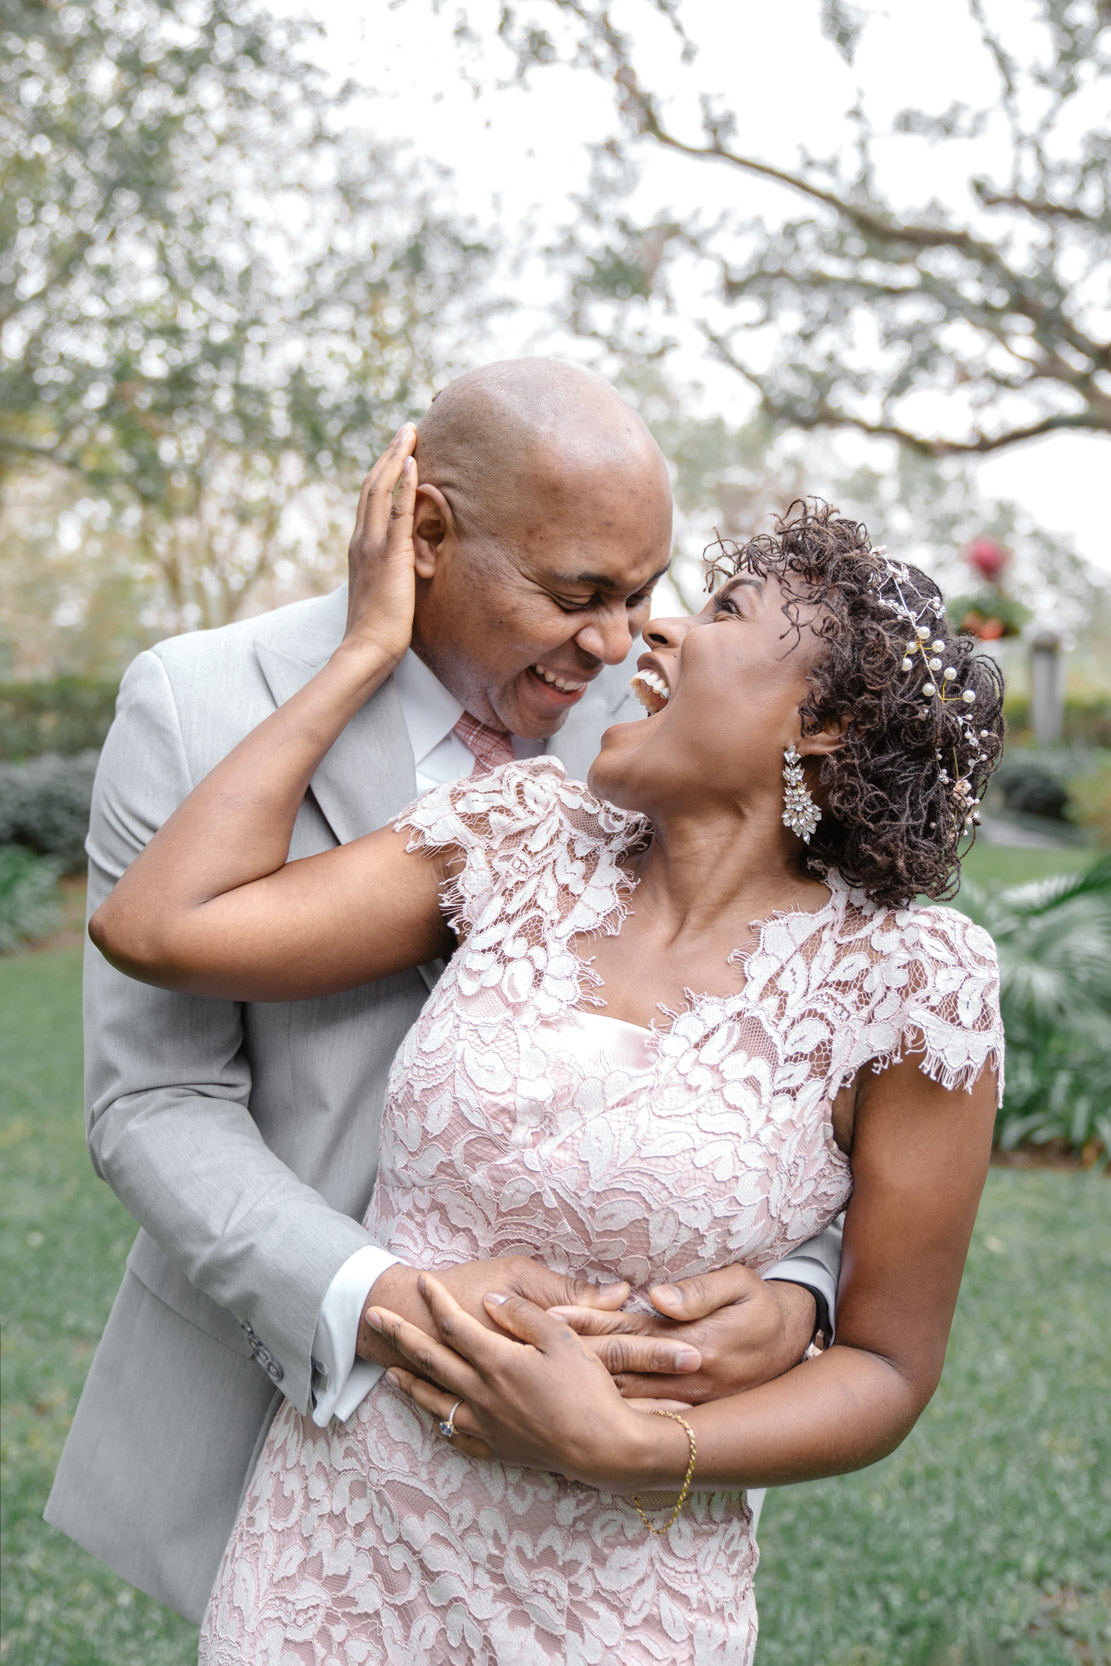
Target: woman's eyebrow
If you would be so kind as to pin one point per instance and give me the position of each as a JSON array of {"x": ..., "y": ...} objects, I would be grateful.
[{"x": 742, "y": 580}]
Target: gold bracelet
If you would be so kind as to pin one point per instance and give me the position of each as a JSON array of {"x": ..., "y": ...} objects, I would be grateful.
[{"x": 682, "y": 1498}]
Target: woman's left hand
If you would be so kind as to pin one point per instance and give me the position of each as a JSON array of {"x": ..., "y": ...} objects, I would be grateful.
[{"x": 536, "y": 1397}]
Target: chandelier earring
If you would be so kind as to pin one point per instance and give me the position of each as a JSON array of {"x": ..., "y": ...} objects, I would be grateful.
[{"x": 800, "y": 813}]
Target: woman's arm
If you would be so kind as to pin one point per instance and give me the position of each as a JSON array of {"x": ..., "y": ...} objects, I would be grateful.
[
  {"x": 920, "y": 1155},
  {"x": 211, "y": 906}
]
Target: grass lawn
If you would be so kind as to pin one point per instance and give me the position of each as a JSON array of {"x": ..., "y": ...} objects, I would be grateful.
[
  {"x": 985, "y": 1541},
  {"x": 1014, "y": 864}
]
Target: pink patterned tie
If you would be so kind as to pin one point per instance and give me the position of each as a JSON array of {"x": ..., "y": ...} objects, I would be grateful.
[{"x": 491, "y": 747}]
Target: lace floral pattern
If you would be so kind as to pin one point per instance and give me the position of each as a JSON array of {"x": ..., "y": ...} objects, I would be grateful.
[{"x": 518, "y": 1122}]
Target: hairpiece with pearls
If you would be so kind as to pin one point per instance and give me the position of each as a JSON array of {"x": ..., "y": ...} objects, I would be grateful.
[{"x": 924, "y": 653}]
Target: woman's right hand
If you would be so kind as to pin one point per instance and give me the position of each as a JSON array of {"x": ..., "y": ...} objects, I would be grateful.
[{"x": 381, "y": 575}]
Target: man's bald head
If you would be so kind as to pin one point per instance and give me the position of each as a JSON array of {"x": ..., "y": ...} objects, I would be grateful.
[
  {"x": 511, "y": 440},
  {"x": 543, "y": 521}
]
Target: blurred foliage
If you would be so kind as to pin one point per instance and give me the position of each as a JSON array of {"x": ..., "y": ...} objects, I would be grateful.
[
  {"x": 731, "y": 478},
  {"x": 44, "y": 804},
  {"x": 29, "y": 898},
  {"x": 988, "y": 614},
  {"x": 1086, "y": 722},
  {"x": 216, "y": 297},
  {"x": 845, "y": 316},
  {"x": 68, "y": 715},
  {"x": 1063, "y": 782},
  {"x": 1090, "y": 801},
  {"x": 1053, "y": 937}
]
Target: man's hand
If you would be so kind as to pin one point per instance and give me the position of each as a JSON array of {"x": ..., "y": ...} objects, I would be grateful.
[
  {"x": 742, "y": 1330},
  {"x": 397, "y": 1289}
]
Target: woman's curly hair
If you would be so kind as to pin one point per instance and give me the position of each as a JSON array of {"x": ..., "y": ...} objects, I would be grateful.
[{"x": 899, "y": 796}]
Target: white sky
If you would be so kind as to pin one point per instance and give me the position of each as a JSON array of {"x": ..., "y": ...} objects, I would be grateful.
[{"x": 520, "y": 154}]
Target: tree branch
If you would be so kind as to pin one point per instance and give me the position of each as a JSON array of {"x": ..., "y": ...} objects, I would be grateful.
[
  {"x": 866, "y": 220},
  {"x": 1039, "y": 207},
  {"x": 826, "y": 415}
]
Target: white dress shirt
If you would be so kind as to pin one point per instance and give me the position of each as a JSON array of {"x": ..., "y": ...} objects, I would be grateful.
[{"x": 340, "y": 1380}]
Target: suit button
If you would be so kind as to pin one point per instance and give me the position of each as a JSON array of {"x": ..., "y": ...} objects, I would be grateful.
[{"x": 269, "y": 1364}]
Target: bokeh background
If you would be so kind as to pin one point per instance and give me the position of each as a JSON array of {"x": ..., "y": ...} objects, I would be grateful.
[{"x": 854, "y": 250}]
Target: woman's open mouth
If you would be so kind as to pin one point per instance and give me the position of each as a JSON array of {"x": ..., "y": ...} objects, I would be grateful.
[{"x": 651, "y": 690}]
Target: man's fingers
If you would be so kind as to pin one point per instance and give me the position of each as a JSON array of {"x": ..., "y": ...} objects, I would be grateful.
[
  {"x": 527, "y": 1322},
  {"x": 536, "y": 1283},
  {"x": 697, "y": 1389},
  {"x": 644, "y": 1355},
  {"x": 597, "y": 1321},
  {"x": 695, "y": 1298}
]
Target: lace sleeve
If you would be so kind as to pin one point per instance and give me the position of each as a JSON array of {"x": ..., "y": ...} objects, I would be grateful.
[
  {"x": 481, "y": 822},
  {"x": 935, "y": 996}
]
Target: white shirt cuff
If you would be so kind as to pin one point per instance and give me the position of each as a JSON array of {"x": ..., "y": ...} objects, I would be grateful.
[
  {"x": 804, "y": 1269},
  {"x": 339, "y": 1380}
]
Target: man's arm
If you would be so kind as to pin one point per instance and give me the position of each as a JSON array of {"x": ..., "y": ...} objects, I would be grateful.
[
  {"x": 168, "y": 1086},
  {"x": 816, "y": 1267}
]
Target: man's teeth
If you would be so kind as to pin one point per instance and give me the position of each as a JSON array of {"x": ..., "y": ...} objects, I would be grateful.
[
  {"x": 562, "y": 683},
  {"x": 651, "y": 690}
]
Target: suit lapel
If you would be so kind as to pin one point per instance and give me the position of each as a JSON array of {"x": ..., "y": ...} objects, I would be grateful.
[{"x": 368, "y": 776}]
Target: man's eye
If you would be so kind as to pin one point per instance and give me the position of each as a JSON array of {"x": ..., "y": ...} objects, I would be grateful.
[
  {"x": 643, "y": 600},
  {"x": 572, "y": 607}
]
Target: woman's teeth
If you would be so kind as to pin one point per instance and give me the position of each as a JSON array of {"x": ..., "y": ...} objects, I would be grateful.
[
  {"x": 562, "y": 683},
  {"x": 651, "y": 690}
]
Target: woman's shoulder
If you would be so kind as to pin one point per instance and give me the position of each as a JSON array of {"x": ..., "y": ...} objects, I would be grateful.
[
  {"x": 531, "y": 800},
  {"x": 927, "y": 983},
  {"x": 933, "y": 932}
]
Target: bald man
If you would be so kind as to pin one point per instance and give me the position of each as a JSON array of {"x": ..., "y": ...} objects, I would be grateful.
[{"x": 243, "y": 1138}]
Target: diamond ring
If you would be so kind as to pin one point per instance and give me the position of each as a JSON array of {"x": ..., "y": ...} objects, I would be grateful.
[{"x": 447, "y": 1424}]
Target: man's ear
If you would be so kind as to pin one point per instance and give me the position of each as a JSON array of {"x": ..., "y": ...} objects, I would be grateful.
[
  {"x": 432, "y": 523},
  {"x": 828, "y": 738}
]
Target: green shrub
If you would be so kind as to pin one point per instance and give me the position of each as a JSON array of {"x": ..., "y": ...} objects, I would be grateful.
[
  {"x": 1059, "y": 782},
  {"x": 29, "y": 900},
  {"x": 44, "y": 804},
  {"x": 1025, "y": 783},
  {"x": 1053, "y": 937},
  {"x": 1090, "y": 802},
  {"x": 1087, "y": 722},
  {"x": 69, "y": 715}
]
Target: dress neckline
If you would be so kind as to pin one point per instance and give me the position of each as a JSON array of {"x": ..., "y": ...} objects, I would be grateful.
[{"x": 623, "y": 887}]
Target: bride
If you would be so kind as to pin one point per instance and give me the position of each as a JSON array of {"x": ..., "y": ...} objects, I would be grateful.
[{"x": 691, "y": 1012}]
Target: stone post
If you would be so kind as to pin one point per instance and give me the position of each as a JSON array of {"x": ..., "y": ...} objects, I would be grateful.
[{"x": 1047, "y": 687}]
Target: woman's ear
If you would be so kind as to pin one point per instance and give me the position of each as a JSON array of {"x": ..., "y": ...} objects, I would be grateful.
[
  {"x": 432, "y": 524},
  {"x": 829, "y": 737}
]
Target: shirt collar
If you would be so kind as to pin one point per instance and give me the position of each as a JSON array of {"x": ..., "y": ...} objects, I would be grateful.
[{"x": 430, "y": 712}]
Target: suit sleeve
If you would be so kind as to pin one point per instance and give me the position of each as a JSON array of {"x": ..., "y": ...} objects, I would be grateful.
[
  {"x": 817, "y": 1265},
  {"x": 168, "y": 1085}
]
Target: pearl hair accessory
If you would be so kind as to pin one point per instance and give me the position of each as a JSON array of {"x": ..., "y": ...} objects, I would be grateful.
[
  {"x": 924, "y": 654},
  {"x": 800, "y": 813}
]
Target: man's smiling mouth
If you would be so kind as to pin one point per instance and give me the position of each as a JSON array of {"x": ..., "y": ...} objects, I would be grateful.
[{"x": 565, "y": 685}]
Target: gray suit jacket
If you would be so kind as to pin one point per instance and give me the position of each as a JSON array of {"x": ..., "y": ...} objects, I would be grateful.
[{"x": 242, "y": 1137}]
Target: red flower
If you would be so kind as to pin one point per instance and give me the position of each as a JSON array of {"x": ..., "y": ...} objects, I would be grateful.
[{"x": 988, "y": 557}]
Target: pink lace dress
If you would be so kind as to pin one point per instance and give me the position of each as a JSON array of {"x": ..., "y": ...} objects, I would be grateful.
[{"x": 518, "y": 1121}]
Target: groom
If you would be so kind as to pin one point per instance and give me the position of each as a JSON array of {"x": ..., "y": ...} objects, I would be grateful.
[{"x": 243, "y": 1137}]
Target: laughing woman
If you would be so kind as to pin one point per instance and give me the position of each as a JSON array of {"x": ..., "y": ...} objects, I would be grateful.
[{"x": 692, "y": 1011}]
